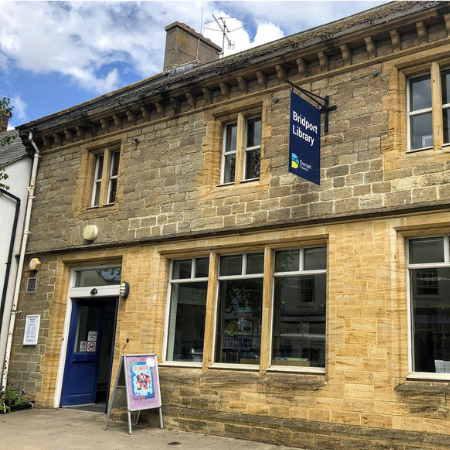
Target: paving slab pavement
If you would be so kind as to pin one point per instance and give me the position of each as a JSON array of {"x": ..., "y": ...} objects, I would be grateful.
[{"x": 67, "y": 429}]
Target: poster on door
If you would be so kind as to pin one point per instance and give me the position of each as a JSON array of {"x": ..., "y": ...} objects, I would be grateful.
[{"x": 142, "y": 380}]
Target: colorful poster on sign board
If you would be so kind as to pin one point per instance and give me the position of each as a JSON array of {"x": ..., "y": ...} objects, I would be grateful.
[
  {"x": 304, "y": 140},
  {"x": 142, "y": 382}
]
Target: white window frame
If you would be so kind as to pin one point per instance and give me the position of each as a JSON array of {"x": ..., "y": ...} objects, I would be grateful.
[
  {"x": 418, "y": 112},
  {"x": 108, "y": 155},
  {"x": 300, "y": 272},
  {"x": 437, "y": 108},
  {"x": 242, "y": 276},
  {"x": 409, "y": 267},
  {"x": 229, "y": 153},
  {"x": 168, "y": 335},
  {"x": 241, "y": 123}
]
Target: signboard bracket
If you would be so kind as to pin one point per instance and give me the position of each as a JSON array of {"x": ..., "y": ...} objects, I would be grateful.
[
  {"x": 323, "y": 102},
  {"x": 148, "y": 369}
]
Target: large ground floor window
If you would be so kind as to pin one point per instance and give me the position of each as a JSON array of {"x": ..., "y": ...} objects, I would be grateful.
[
  {"x": 266, "y": 307},
  {"x": 429, "y": 271},
  {"x": 188, "y": 289}
]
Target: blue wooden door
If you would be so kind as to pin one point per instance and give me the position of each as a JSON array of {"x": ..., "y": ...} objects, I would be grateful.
[{"x": 83, "y": 353}]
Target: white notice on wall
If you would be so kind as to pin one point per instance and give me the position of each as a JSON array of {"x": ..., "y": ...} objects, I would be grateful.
[{"x": 31, "y": 330}]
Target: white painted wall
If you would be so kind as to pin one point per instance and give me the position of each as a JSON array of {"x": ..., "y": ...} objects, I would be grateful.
[{"x": 18, "y": 182}]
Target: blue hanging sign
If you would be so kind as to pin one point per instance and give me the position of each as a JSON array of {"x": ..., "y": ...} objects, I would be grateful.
[{"x": 304, "y": 140}]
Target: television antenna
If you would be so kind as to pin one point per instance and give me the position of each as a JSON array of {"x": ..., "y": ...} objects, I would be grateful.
[{"x": 225, "y": 31}]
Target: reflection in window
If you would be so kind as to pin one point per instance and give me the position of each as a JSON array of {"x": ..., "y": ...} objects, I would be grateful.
[{"x": 98, "y": 277}]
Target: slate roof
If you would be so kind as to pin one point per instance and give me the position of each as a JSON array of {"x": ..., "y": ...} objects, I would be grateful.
[{"x": 14, "y": 152}]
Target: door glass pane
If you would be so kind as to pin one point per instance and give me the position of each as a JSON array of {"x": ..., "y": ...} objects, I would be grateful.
[
  {"x": 87, "y": 325},
  {"x": 98, "y": 277},
  {"x": 426, "y": 250}
]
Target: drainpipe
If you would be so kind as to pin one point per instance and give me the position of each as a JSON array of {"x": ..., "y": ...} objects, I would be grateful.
[
  {"x": 21, "y": 260},
  {"x": 10, "y": 253}
]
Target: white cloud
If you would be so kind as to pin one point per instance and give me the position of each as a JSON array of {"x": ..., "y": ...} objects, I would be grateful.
[
  {"x": 19, "y": 107},
  {"x": 94, "y": 44}
]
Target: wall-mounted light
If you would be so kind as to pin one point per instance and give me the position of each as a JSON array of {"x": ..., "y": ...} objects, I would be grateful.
[{"x": 125, "y": 290}]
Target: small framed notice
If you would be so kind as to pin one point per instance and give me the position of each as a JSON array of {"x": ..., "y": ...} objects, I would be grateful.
[{"x": 31, "y": 330}]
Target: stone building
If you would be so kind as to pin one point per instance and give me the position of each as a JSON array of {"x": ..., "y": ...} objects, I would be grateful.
[{"x": 280, "y": 310}]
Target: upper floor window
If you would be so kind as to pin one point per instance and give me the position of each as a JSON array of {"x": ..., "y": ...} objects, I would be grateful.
[
  {"x": 429, "y": 278},
  {"x": 241, "y": 154},
  {"x": 105, "y": 177},
  {"x": 429, "y": 109}
]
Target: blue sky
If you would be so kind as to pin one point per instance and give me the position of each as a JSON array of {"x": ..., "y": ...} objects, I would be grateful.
[{"x": 54, "y": 55}]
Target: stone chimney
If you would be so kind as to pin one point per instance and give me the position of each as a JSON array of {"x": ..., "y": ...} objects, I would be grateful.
[
  {"x": 184, "y": 46},
  {"x": 4, "y": 119}
]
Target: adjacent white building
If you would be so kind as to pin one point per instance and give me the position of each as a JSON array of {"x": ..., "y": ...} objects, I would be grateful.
[{"x": 12, "y": 211}]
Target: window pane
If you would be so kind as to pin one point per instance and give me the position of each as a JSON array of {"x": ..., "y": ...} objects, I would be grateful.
[
  {"x": 253, "y": 132},
  {"x": 430, "y": 293},
  {"x": 229, "y": 169},
  {"x": 87, "y": 322},
  {"x": 299, "y": 321},
  {"x": 238, "y": 338},
  {"x": 202, "y": 268},
  {"x": 181, "y": 269},
  {"x": 230, "y": 137},
  {"x": 446, "y": 124},
  {"x": 252, "y": 164},
  {"x": 255, "y": 263},
  {"x": 426, "y": 250},
  {"x": 420, "y": 93},
  {"x": 287, "y": 261},
  {"x": 445, "y": 87},
  {"x": 114, "y": 164},
  {"x": 421, "y": 131},
  {"x": 315, "y": 258},
  {"x": 97, "y": 187},
  {"x": 98, "y": 277},
  {"x": 187, "y": 321},
  {"x": 231, "y": 265},
  {"x": 99, "y": 167},
  {"x": 112, "y": 191}
]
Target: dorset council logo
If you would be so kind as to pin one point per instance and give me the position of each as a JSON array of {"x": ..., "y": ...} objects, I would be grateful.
[{"x": 294, "y": 161}]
